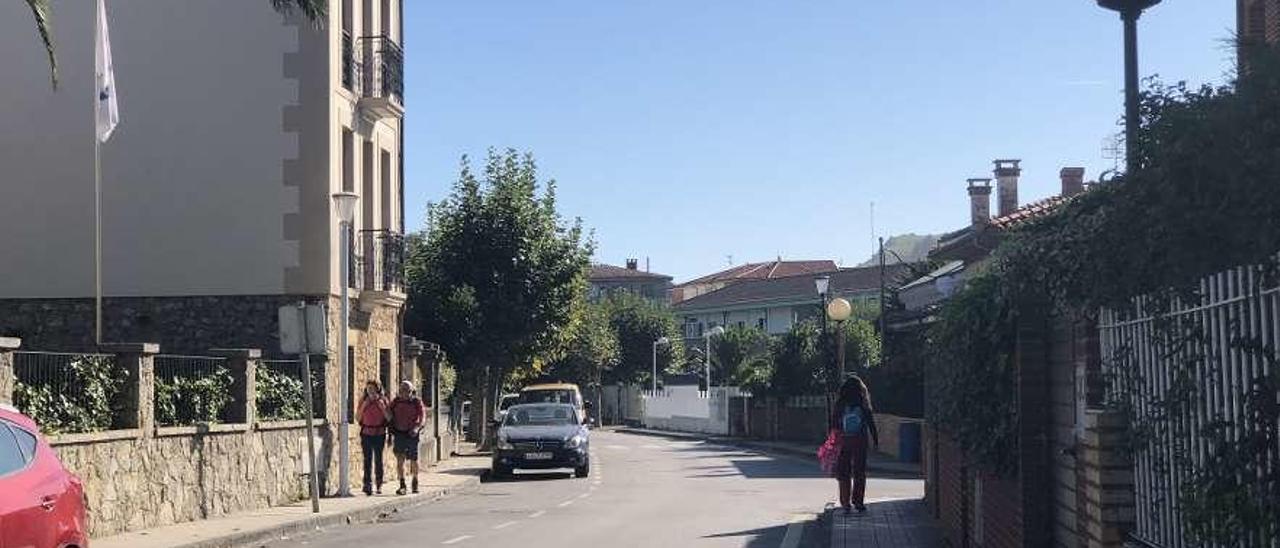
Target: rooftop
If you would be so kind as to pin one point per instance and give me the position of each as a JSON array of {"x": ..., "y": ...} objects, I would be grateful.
[
  {"x": 610, "y": 272},
  {"x": 791, "y": 289},
  {"x": 767, "y": 270}
]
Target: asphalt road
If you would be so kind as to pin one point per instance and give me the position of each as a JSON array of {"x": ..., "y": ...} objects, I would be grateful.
[{"x": 643, "y": 491}]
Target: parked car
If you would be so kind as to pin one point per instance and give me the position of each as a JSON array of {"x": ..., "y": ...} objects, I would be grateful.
[
  {"x": 41, "y": 502},
  {"x": 542, "y": 436},
  {"x": 559, "y": 392}
]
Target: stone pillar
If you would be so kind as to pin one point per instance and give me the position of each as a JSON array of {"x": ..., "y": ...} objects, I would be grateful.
[
  {"x": 1105, "y": 480},
  {"x": 7, "y": 376},
  {"x": 243, "y": 364},
  {"x": 135, "y": 407},
  {"x": 410, "y": 368}
]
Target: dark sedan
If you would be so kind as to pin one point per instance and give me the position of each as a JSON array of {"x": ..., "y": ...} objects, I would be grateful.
[{"x": 542, "y": 436}]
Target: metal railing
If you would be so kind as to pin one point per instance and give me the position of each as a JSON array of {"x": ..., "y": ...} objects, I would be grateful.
[
  {"x": 65, "y": 392},
  {"x": 280, "y": 393},
  {"x": 378, "y": 261},
  {"x": 1185, "y": 375},
  {"x": 191, "y": 390},
  {"x": 383, "y": 63}
]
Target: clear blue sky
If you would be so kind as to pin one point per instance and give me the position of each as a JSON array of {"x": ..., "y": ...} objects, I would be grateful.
[{"x": 686, "y": 131}]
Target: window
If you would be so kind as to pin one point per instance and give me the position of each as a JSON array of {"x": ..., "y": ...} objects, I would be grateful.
[
  {"x": 384, "y": 368},
  {"x": 348, "y": 161},
  {"x": 385, "y": 199},
  {"x": 761, "y": 323},
  {"x": 386, "y": 18},
  {"x": 11, "y": 457},
  {"x": 366, "y": 186},
  {"x": 26, "y": 442}
]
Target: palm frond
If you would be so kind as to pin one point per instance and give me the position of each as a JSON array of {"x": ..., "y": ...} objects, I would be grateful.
[
  {"x": 44, "y": 24},
  {"x": 314, "y": 10}
]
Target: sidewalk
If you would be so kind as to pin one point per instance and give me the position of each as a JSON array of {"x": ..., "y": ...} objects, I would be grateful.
[
  {"x": 458, "y": 474},
  {"x": 876, "y": 462},
  {"x": 887, "y": 524}
]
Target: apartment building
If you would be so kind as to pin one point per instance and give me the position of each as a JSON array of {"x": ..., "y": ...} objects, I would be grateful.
[
  {"x": 237, "y": 125},
  {"x": 1258, "y": 21}
]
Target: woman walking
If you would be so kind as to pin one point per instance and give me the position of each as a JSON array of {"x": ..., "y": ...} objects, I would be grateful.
[
  {"x": 853, "y": 418},
  {"x": 373, "y": 413}
]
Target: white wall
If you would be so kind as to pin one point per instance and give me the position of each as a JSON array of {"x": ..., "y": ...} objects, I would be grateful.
[
  {"x": 686, "y": 409},
  {"x": 193, "y": 194}
]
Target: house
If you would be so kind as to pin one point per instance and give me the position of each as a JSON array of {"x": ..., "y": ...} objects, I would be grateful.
[
  {"x": 608, "y": 279},
  {"x": 1258, "y": 21},
  {"x": 750, "y": 271},
  {"x": 237, "y": 125},
  {"x": 776, "y": 304}
]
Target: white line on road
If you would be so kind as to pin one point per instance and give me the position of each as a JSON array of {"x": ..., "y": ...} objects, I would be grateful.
[
  {"x": 504, "y": 525},
  {"x": 565, "y": 503},
  {"x": 795, "y": 531},
  {"x": 456, "y": 540},
  {"x": 538, "y": 514},
  {"x": 584, "y": 495}
]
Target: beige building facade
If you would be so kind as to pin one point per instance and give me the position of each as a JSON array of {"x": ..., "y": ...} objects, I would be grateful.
[{"x": 237, "y": 125}]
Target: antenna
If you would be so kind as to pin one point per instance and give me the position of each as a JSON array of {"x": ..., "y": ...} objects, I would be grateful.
[
  {"x": 730, "y": 258},
  {"x": 1113, "y": 149},
  {"x": 873, "y": 220}
]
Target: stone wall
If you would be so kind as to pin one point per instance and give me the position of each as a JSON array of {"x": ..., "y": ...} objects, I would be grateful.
[
  {"x": 181, "y": 474},
  {"x": 7, "y": 346}
]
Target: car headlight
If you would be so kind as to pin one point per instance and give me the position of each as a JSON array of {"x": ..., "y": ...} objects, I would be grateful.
[
  {"x": 575, "y": 442},
  {"x": 505, "y": 445}
]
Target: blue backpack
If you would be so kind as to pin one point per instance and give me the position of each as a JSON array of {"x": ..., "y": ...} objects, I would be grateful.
[{"x": 852, "y": 421}]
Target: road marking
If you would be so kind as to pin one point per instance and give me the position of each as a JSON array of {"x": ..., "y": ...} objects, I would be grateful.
[
  {"x": 584, "y": 495},
  {"x": 795, "y": 531},
  {"x": 565, "y": 503},
  {"x": 538, "y": 514},
  {"x": 652, "y": 447},
  {"x": 504, "y": 525},
  {"x": 456, "y": 540},
  {"x": 616, "y": 447}
]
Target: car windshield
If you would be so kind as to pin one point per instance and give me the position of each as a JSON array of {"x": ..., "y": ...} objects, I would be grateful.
[
  {"x": 553, "y": 395},
  {"x": 540, "y": 415}
]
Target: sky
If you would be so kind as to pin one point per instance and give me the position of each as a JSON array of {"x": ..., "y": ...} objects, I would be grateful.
[{"x": 692, "y": 133}]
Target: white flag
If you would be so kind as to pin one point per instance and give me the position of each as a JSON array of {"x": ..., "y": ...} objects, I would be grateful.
[{"x": 107, "y": 109}]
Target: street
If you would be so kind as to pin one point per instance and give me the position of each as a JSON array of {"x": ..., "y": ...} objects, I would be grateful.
[{"x": 643, "y": 491}]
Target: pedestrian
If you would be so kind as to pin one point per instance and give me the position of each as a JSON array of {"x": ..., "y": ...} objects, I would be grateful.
[
  {"x": 854, "y": 418},
  {"x": 407, "y": 414},
  {"x": 373, "y": 414}
]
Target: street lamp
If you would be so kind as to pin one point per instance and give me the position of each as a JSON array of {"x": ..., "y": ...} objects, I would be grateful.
[
  {"x": 660, "y": 342},
  {"x": 1130, "y": 11},
  {"x": 713, "y": 332},
  {"x": 823, "y": 285},
  {"x": 344, "y": 204},
  {"x": 839, "y": 310}
]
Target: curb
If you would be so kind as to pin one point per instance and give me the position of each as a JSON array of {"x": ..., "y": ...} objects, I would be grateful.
[
  {"x": 311, "y": 524},
  {"x": 904, "y": 469}
]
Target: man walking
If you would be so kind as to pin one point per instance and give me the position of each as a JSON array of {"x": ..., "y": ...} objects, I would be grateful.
[{"x": 407, "y": 415}]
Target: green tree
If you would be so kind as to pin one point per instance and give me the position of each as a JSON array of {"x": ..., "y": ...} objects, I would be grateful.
[
  {"x": 313, "y": 9},
  {"x": 497, "y": 275},
  {"x": 797, "y": 362},
  {"x": 637, "y": 323},
  {"x": 591, "y": 351},
  {"x": 742, "y": 357}
]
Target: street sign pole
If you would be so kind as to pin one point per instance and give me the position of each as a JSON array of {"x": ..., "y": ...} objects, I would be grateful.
[{"x": 305, "y": 356}]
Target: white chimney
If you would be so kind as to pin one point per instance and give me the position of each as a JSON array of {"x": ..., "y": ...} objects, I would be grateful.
[
  {"x": 1072, "y": 180},
  {"x": 1007, "y": 172}
]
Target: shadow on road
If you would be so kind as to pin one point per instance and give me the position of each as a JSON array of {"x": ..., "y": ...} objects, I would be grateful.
[
  {"x": 814, "y": 535},
  {"x": 520, "y": 477}
]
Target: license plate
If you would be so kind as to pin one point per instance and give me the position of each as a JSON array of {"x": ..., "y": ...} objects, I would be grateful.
[{"x": 537, "y": 456}]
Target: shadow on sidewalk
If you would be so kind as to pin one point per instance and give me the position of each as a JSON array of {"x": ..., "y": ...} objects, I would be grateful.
[
  {"x": 895, "y": 523},
  {"x": 814, "y": 534}
]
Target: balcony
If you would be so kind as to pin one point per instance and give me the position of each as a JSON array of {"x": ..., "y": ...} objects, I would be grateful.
[
  {"x": 377, "y": 268},
  {"x": 380, "y": 70}
]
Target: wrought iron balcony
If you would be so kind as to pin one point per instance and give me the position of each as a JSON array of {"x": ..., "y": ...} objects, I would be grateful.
[
  {"x": 379, "y": 261},
  {"x": 382, "y": 76}
]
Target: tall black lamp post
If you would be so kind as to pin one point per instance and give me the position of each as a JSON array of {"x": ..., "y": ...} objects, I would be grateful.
[{"x": 1130, "y": 11}]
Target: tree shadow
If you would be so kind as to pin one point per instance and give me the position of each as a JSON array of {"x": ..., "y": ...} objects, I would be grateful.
[
  {"x": 906, "y": 520},
  {"x": 814, "y": 535}
]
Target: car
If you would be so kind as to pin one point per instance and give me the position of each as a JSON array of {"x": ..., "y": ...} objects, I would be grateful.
[
  {"x": 559, "y": 392},
  {"x": 542, "y": 436},
  {"x": 41, "y": 502},
  {"x": 505, "y": 402}
]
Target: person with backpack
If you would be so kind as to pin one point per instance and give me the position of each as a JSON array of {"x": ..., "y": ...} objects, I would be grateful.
[
  {"x": 373, "y": 415},
  {"x": 407, "y": 416},
  {"x": 854, "y": 420}
]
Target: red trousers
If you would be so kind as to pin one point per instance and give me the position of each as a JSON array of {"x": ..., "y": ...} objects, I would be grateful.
[{"x": 851, "y": 470}]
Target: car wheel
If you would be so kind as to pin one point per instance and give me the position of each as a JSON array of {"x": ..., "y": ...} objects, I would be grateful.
[{"x": 582, "y": 471}]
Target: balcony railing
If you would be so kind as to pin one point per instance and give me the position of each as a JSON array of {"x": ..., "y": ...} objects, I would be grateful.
[
  {"x": 377, "y": 261},
  {"x": 383, "y": 69}
]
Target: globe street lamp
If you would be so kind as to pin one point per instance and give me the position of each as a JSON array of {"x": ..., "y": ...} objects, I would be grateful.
[
  {"x": 1130, "y": 11},
  {"x": 713, "y": 332},
  {"x": 660, "y": 342},
  {"x": 344, "y": 204},
  {"x": 839, "y": 310}
]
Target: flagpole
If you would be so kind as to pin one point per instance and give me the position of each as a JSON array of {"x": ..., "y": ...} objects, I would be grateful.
[{"x": 97, "y": 188}]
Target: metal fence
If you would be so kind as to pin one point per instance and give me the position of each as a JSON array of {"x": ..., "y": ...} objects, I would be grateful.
[
  {"x": 67, "y": 393},
  {"x": 281, "y": 392},
  {"x": 191, "y": 390},
  {"x": 1185, "y": 373}
]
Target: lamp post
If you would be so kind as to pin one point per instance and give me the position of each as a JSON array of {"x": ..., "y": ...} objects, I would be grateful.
[
  {"x": 839, "y": 310},
  {"x": 344, "y": 203},
  {"x": 1130, "y": 11},
  {"x": 823, "y": 285},
  {"x": 713, "y": 332},
  {"x": 660, "y": 342}
]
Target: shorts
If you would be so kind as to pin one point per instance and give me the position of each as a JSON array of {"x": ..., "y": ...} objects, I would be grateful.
[{"x": 404, "y": 445}]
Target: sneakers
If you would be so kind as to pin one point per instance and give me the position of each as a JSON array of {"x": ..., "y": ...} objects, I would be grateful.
[
  {"x": 367, "y": 491},
  {"x": 378, "y": 489},
  {"x": 415, "y": 485},
  {"x": 401, "y": 490}
]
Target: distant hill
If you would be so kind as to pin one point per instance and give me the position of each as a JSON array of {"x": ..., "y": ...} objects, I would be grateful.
[{"x": 911, "y": 247}]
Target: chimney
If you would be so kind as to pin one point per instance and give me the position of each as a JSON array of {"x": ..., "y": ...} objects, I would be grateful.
[
  {"x": 979, "y": 201},
  {"x": 633, "y": 264},
  {"x": 1072, "y": 181},
  {"x": 1007, "y": 172}
]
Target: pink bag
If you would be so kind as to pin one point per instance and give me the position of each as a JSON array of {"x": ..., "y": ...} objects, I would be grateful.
[{"x": 828, "y": 452}]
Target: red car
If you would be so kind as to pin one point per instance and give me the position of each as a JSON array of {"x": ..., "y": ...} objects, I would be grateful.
[{"x": 41, "y": 502}]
